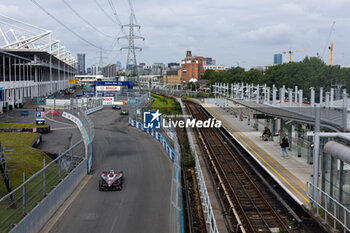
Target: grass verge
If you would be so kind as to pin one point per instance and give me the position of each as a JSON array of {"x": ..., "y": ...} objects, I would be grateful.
[
  {"x": 20, "y": 125},
  {"x": 24, "y": 158},
  {"x": 166, "y": 105}
]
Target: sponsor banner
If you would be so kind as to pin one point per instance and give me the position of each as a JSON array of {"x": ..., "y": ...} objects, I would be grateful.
[
  {"x": 94, "y": 109},
  {"x": 108, "y": 100},
  {"x": 108, "y": 88},
  {"x": 72, "y": 81},
  {"x": 107, "y": 94},
  {"x": 75, "y": 119},
  {"x": 119, "y": 103},
  {"x": 114, "y": 83}
]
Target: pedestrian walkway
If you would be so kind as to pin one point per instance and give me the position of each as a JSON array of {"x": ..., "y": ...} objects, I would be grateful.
[{"x": 291, "y": 173}]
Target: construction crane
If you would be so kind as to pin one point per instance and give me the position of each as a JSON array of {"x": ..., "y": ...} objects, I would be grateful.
[
  {"x": 328, "y": 38},
  {"x": 290, "y": 52},
  {"x": 331, "y": 54}
]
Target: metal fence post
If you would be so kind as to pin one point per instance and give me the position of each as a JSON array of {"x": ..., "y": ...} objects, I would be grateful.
[
  {"x": 59, "y": 167},
  {"x": 44, "y": 178},
  {"x": 24, "y": 195}
]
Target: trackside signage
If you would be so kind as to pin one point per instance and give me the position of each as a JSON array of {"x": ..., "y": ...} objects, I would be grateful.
[{"x": 154, "y": 120}]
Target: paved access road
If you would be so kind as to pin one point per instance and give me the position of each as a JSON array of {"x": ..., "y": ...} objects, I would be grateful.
[{"x": 143, "y": 204}]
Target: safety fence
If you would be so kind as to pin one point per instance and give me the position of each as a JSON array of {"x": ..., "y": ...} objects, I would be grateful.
[
  {"x": 205, "y": 199},
  {"x": 18, "y": 203},
  {"x": 86, "y": 127},
  {"x": 169, "y": 141},
  {"x": 138, "y": 103},
  {"x": 169, "y": 150},
  {"x": 327, "y": 207}
]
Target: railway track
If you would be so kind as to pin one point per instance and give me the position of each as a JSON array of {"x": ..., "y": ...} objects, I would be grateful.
[{"x": 249, "y": 208}]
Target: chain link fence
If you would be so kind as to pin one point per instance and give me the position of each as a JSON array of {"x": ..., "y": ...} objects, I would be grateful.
[
  {"x": 169, "y": 140},
  {"x": 17, "y": 204},
  {"x": 87, "y": 131},
  {"x": 138, "y": 104}
]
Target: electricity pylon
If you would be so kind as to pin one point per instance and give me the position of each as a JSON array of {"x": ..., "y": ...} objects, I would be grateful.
[{"x": 131, "y": 60}]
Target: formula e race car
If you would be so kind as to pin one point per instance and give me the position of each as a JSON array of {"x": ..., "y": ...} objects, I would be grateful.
[
  {"x": 124, "y": 112},
  {"x": 111, "y": 180}
]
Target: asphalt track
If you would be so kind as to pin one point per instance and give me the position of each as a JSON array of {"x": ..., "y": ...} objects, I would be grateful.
[{"x": 143, "y": 204}]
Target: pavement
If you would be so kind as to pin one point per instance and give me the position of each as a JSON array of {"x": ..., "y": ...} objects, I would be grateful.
[
  {"x": 144, "y": 203},
  {"x": 291, "y": 173},
  {"x": 63, "y": 134}
]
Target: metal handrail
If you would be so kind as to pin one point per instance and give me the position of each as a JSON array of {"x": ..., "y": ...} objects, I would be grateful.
[
  {"x": 333, "y": 215},
  {"x": 39, "y": 172}
]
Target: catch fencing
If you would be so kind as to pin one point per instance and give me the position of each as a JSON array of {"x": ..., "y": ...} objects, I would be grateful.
[
  {"x": 18, "y": 203},
  {"x": 88, "y": 131},
  {"x": 169, "y": 141}
]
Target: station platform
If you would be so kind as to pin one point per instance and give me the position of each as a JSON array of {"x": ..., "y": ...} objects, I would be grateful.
[{"x": 291, "y": 173}]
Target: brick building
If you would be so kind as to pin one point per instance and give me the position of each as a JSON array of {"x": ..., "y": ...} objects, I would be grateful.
[{"x": 191, "y": 68}]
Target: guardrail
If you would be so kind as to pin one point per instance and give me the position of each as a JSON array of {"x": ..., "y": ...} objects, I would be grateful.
[
  {"x": 331, "y": 209},
  {"x": 18, "y": 203}
]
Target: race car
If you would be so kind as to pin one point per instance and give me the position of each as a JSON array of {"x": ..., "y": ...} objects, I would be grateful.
[
  {"x": 111, "y": 180},
  {"x": 124, "y": 112},
  {"x": 117, "y": 107}
]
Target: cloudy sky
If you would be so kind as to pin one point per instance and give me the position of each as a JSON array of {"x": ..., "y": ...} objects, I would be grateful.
[{"x": 230, "y": 31}]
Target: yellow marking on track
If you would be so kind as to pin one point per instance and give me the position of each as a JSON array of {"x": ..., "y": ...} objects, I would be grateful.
[{"x": 227, "y": 124}]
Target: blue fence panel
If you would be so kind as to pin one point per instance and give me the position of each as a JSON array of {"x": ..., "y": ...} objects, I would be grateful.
[{"x": 157, "y": 136}]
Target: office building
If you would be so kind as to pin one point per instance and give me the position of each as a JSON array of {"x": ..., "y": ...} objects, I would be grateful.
[
  {"x": 81, "y": 63},
  {"x": 277, "y": 59}
]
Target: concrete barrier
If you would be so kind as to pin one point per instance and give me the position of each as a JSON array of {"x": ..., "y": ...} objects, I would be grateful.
[{"x": 37, "y": 218}]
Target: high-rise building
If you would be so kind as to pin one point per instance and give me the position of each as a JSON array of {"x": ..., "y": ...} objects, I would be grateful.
[
  {"x": 94, "y": 69},
  {"x": 119, "y": 65},
  {"x": 277, "y": 59},
  {"x": 173, "y": 65},
  {"x": 208, "y": 61},
  {"x": 191, "y": 68},
  {"x": 81, "y": 63},
  {"x": 109, "y": 70}
]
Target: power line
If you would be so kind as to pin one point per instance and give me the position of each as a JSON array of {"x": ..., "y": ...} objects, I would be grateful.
[
  {"x": 105, "y": 12},
  {"x": 82, "y": 18},
  {"x": 114, "y": 12},
  {"x": 63, "y": 25}
]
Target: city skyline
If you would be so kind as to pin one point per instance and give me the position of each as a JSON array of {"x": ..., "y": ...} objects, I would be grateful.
[{"x": 232, "y": 32}]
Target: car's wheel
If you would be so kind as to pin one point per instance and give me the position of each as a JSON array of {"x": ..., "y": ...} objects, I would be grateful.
[{"x": 99, "y": 186}]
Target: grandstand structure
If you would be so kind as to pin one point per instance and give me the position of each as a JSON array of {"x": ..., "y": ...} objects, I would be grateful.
[{"x": 32, "y": 63}]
